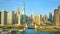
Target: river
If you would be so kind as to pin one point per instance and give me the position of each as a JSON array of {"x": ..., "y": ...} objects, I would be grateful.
[{"x": 32, "y": 31}]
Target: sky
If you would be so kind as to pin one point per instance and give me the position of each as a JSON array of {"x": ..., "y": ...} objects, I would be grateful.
[{"x": 42, "y": 7}]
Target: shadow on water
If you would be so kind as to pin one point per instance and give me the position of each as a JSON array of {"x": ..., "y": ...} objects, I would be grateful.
[{"x": 32, "y": 31}]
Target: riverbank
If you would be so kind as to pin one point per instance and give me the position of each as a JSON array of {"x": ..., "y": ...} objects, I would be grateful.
[
  {"x": 42, "y": 28},
  {"x": 48, "y": 29}
]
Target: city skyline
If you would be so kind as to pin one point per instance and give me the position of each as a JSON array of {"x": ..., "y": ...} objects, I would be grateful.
[
  {"x": 29, "y": 16},
  {"x": 40, "y": 6}
]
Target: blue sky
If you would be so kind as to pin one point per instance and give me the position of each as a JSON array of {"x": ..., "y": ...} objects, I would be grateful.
[{"x": 38, "y": 6}]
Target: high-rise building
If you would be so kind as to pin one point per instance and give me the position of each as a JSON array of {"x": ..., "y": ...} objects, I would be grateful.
[
  {"x": 0, "y": 17},
  {"x": 29, "y": 22},
  {"x": 23, "y": 9},
  {"x": 50, "y": 17},
  {"x": 17, "y": 14},
  {"x": 17, "y": 11},
  {"x": 41, "y": 20},
  {"x": 45, "y": 19},
  {"x": 33, "y": 18},
  {"x": 38, "y": 19},
  {"x": 23, "y": 15},
  {"x": 57, "y": 16},
  {"x": 3, "y": 17},
  {"x": 10, "y": 18},
  {"x": 23, "y": 19},
  {"x": 19, "y": 20}
]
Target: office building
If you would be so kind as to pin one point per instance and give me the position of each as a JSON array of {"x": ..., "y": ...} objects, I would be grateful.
[
  {"x": 57, "y": 16},
  {"x": 23, "y": 9},
  {"x": 19, "y": 19},
  {"x": 38, "y": 19},
  {"x": 0, "y": 17},
  {"x": 10, "y": 18},
  {"x": 3, "y": 17},
  {"x": 24, "y": 19},
  {"x": 17, "y": 15},
  {"x": 50, "y": 17},
  {"x": 45, "y": 19},
  {"x": 33, "y": 17}
]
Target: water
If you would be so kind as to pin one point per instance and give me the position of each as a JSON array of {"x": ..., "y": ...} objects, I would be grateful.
[{"x": 32, "y": 31}]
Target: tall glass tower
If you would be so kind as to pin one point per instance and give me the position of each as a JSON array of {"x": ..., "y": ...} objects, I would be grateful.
[{"x": 50, "y": 17}]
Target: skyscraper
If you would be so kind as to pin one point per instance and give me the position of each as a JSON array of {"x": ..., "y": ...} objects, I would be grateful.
[
  {"x": 57, "y": 16},
  {"x": 0, "y": 17},
  {"x": 23, "y": 19},
  {"x": 3, "y": 17},
  {"x": 32, "y": 16},
  {"x": 10, "y": 18},
  {"x": 50, "y": 17},
  {"x": 17, "y": 14},
  {"x": 23, "y": 15},
  {"x": 38, "y": 19},
  {"x": 23, "y": 9},
  {"x": 19, "y": 19},
  {"x": 45, "y": 19},
  {"x": 17, "y": 11}
]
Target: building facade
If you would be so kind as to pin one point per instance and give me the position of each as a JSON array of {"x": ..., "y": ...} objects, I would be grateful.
[
  {"x": 38, "y": 19},
  {"x": 57, "y": 16},
  {"x": 3, "y": 17},
  {"x": 50, "y": 17},
  {"x": 10, "y": 18},
  {"x": 19, "y": 19},
  {"x": 23, "y": 19},
  {"x": 0, "y": 17},
  {"x": 45, "y": 19},
  {"x": 33, "y": 18},
  {"x": 17, "y": 15}
]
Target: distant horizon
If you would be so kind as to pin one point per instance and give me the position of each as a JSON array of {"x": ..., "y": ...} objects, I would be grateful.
[{"x": 38, "y": 6}]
